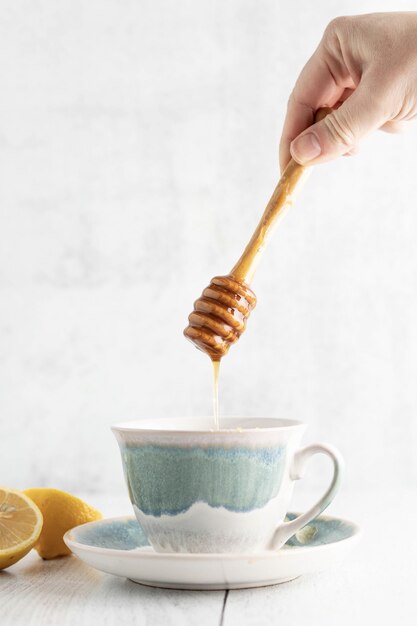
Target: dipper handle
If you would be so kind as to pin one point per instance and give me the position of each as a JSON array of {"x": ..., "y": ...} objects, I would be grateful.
[{"x": 283, "y": 196}]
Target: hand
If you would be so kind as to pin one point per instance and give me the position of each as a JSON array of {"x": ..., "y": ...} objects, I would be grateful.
[{"x": 366, "y": 68}]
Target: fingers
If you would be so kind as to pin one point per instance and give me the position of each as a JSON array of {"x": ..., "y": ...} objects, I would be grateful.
[
  {"x": 299, "y": 117},
  {"x": 352, "y": 152},
  {"x": 393, "y": 127},
  {"x": 316, "y": 87},
  {"x": 342, "y": 129}
]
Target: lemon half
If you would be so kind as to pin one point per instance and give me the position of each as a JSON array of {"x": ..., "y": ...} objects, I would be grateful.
[{"x": 20, "y": 526}]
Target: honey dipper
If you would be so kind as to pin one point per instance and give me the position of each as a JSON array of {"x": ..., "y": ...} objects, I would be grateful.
[{"x": 221, "y": 312}]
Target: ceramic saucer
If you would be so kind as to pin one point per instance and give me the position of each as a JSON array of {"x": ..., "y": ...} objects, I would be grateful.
[{"x": 118, "y": 546}]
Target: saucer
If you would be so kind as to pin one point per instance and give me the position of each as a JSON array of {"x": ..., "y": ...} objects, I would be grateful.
[{"x": 118, "y": 546}]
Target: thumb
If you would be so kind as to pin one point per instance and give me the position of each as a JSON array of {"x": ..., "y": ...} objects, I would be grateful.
[{"x": 341, "y": 130}]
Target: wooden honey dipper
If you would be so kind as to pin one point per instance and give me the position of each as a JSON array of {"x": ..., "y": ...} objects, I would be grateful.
[{"x": 221, "y": 312}]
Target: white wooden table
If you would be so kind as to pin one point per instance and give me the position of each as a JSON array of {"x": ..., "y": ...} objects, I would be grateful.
[{"x": 376, "y": 584}]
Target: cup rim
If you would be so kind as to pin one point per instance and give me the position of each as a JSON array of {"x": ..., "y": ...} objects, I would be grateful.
[{"x": 153, "y": 425}]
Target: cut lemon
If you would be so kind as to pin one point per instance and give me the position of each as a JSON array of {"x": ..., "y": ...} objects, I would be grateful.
[
  {"x": 20, "y": 526},
  {"x": 61, "y": 511}
]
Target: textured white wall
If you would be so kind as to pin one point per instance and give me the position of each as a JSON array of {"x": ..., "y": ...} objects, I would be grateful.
[{"x": 138, "y": 147}]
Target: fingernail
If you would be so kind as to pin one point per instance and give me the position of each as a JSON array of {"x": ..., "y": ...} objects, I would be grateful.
[{"x": 305, "y": 148}]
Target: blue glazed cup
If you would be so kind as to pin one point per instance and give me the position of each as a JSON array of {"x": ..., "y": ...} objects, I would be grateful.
[{"x": 195, "y": 489}]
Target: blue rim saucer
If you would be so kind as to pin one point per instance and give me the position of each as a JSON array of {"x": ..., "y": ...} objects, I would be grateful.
[{"x": 119, "y": 546}]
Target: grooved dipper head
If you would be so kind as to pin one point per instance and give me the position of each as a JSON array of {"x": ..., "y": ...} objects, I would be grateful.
[{"x": 219, "y": 316}]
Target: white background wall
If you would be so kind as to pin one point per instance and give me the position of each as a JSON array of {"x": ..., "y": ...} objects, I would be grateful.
[{"x": 138, "y": 148}]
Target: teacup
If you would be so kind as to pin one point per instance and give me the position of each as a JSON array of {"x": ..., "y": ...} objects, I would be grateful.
[{"x": 195, "y": 489}]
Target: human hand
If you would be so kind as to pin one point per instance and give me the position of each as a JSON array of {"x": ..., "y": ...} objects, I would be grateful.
[{"x": 365, "y": 67}]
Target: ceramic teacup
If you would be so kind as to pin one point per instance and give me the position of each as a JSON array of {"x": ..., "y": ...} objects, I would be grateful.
[{"x": 195, "y": 489}]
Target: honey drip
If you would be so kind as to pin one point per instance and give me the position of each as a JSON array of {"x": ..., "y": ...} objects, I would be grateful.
[{"x": 216, "y": 367}]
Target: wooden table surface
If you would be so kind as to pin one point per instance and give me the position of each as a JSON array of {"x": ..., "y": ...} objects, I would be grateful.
[{"x": 376, "y": 584}]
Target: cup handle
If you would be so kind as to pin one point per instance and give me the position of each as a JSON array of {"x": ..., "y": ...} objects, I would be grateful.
[{"x": 288, "y": 529}]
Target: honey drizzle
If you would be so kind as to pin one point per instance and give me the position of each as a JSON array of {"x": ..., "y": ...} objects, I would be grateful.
[{"x": 216, "y": 367}]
